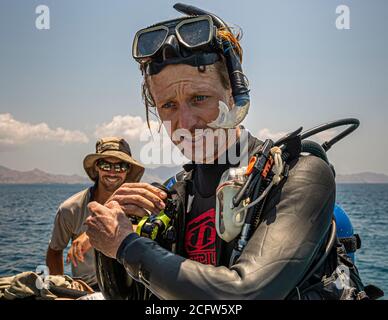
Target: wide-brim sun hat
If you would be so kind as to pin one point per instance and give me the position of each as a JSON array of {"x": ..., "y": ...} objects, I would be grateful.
[{"x": 113, "y": 147}]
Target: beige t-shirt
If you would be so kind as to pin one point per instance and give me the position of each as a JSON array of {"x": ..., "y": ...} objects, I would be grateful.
[{"x": 69, "y": 224}]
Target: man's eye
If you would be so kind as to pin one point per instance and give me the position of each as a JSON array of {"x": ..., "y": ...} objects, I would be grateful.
[
  {"x": 168, "y": 105},
  {"x": 200, "y": 98}
]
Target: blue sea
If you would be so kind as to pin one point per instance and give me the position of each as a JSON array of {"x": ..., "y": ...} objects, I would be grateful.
[{"x": 27, "y": 214}]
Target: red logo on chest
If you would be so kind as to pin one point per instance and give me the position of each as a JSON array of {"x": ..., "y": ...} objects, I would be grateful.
[{"x": 200, "y": 238}]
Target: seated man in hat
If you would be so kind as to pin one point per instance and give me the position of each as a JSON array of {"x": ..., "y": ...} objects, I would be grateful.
[{"x": 109, "y": 168}]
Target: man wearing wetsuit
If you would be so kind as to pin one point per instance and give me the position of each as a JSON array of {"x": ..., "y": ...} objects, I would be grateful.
[{"x": 196, "y": 85}]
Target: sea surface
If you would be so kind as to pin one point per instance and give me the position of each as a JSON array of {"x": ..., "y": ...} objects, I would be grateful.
[{"x": 27, "y": 214}]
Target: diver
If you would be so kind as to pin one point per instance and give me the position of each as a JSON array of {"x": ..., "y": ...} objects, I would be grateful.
[{"x": 261, "y": 230}]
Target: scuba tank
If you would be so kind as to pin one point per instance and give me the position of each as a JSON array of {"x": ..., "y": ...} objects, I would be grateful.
[{"x": 345, "y": 232}]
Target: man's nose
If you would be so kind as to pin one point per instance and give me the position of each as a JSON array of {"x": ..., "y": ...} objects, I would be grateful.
[{"x": 187, "y": 119}]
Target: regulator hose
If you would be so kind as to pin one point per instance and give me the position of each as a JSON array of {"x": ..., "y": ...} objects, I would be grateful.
[{"x": 315, "y": 149}]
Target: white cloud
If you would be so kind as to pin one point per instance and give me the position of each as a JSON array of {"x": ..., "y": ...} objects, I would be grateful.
[
  {"x": 266, "y": 133},
  {"x": 128, "y": 127},
  {"x": 14, "y": 132}
]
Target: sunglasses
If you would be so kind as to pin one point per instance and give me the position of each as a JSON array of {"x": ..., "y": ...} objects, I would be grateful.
[
  {"x": 193, "y": 33},
  {"x": 118, "y": 167}
]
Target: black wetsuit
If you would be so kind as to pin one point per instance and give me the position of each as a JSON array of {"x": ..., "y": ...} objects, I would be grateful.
[
  {"x": 291, "y": 236},
  {"x": 200, "y": 230}
]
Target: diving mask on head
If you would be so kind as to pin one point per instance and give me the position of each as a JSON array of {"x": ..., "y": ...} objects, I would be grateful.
[
  {"x": 229, "y": 221},
  {"x": 194, "y": 41},
  {"x": 185, "y": 40}
]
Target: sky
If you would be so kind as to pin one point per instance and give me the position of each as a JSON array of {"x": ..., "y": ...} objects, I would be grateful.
[{"x": 62, "y": 88}]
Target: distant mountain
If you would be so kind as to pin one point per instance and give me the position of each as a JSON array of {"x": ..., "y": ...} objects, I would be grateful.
[
  {"x": 36, "y": 176},
  {"x": 159, "y": 174},
  {"x": 363, "y": 177}
]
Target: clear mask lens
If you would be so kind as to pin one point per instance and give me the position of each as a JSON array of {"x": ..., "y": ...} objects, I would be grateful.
[
  {"x": 195, "y": 33},
  {"x": 192, "y": 33},
  {"x": 149, "y": 42}
]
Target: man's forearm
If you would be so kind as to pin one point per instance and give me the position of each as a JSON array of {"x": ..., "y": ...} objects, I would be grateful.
[{"x": 54, "y": 261}]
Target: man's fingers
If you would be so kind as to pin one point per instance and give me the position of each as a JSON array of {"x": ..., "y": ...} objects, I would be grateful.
[
  {"x": 133, "y": 210},
  {"x": 137, "y": 200},
  {"x": 71, "y": 257},
  {"x": 145, "y": 193},
  {"x": 78, "y": 252},
  {"x": 86, "y": 246},
  {"x": 113, "y": 205},
  {"x": 97, "y": 209},
  {"x": 143, "y": 185},
  {"x": 74, "y": 261},
  {"x": 87, "y": 220},
  {"x": 93, "y": 207},
  {"x": 129, "y": 209}
]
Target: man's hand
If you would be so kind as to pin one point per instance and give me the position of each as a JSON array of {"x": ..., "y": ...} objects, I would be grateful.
[
  {"x": 136, "y": 198},
  {"x": 78, "y": 248},
  {"x": 107, "y": 227}
]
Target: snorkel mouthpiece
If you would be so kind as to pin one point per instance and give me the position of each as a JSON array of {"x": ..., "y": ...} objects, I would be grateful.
[{"x": 229, "y": 119}]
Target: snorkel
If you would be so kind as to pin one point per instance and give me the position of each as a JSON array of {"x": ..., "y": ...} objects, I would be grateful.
[
  {"x": 160, "y": 45},
  {"x": 227, "y": 119}
]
